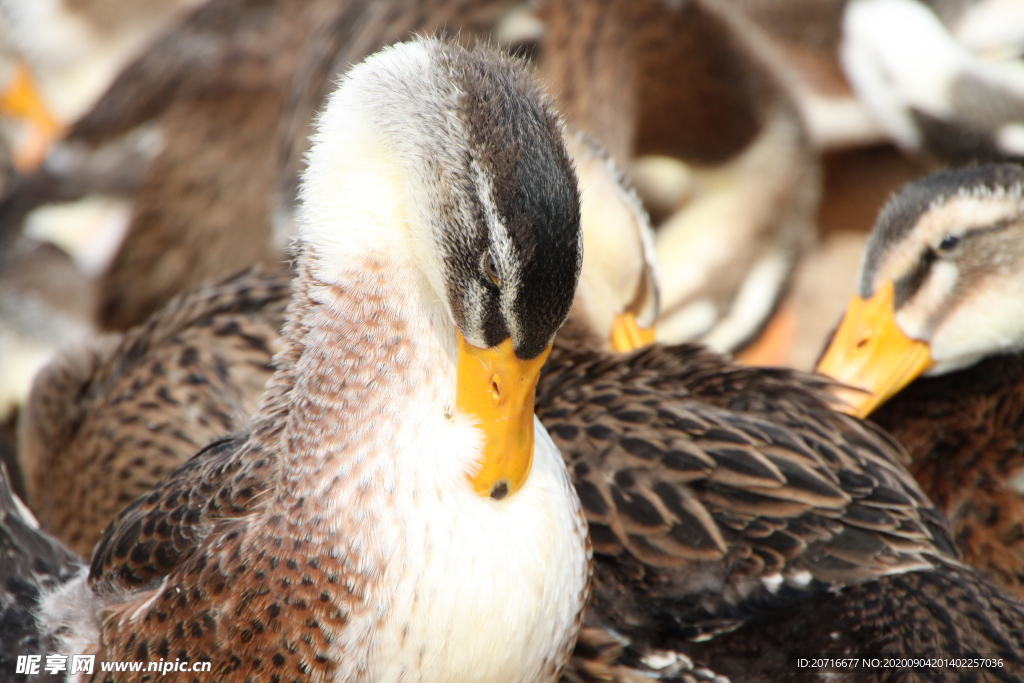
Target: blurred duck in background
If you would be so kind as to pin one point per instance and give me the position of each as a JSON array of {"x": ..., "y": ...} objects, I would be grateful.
[
  {"x": 65, "y": 54},
  {"x": 172, "y": 154},
  {"x": 186, "y": 134},
  {"x": 689, "y": 89},
  {"x": 932, "y": 344},
  {"x": 944, "y": 78}
]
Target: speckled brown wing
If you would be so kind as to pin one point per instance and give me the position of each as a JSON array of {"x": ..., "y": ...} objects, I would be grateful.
[
  {"x": 951, "y": 612},
  {"x": 964, "y": 432},
  {"x": 713, "y": 512},
  {"x": 104, "y": 425},
  {"x": 161, "y": 529}
]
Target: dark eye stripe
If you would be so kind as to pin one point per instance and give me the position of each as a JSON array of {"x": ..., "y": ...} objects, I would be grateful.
[{"x": 908, "y": 285}]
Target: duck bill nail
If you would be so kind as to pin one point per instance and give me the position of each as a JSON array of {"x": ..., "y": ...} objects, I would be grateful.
[
  {"x": 497, "y": 388},
  {"x": 871, "y": 354},
  {"x": 627, "y": 334}
]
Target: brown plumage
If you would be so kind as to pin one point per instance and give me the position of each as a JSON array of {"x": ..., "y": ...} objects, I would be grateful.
[
  {"x": 687, "y": 540},
  {"x": 964, "y": 432},
  {"x": 130, "y": 409}
]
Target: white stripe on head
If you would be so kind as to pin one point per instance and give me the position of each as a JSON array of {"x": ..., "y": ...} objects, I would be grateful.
[{"x": 502, "y": 248}]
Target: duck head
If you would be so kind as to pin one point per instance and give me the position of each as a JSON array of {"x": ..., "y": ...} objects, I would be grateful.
[
  {"x": 941, "y": 285},
  {"x": 451, "y": 162}
]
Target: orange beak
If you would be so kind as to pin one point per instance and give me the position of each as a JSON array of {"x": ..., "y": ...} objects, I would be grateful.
[
  {"x": 498, "y": 388},
  {"x": 21, "y": 100},
  {"x": 870, "y": 352},
  {"x": 627, "y": 334}
]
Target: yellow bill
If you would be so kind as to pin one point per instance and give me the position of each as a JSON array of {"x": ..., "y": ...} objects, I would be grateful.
[
  {"x": 869, "y": 351},
  {"x": 21, "y": 99},
  {"x": 627, "y": 334},
  {"x": 498, "y": 388}
]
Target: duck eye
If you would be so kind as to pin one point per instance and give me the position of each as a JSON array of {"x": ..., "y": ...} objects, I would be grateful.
[
  {"x": 949, "y": 243},
  {"x": 491, "y": 269}
]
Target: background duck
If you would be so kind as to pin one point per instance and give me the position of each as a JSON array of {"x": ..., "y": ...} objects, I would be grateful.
[
  {"x": 75, "y": 48},
  {"x": 693, "y": 83},
  {"x": 64, "y": 54},
  {"x": 944, "y": 79},
  {"x": 951, "y": 244},
  {"x": 476, "y": 255},
  {"x": 186, "y": 132}
]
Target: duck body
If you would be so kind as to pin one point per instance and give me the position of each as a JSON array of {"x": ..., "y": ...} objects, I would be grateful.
[
  {"x": 842, "y": 557},
  {"x": 301, "y": 549},
  {"x": 130, "y": 409}
]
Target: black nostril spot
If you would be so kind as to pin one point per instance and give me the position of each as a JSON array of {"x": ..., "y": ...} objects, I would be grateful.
[
  {"x": 862, "y": 343},
  {"x": 500, "y": 490}
]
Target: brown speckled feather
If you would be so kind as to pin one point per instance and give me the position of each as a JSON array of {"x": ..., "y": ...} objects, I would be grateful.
[
  {"x": 713, "y": 477},
  {"x": 964, "y": 432},
  {"x": 133, "y": 408}
]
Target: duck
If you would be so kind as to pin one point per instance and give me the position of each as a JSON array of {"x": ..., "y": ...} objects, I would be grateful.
[
  {"x": 436, "y": 268},
  {"x": 184, "y": 126},
  {"x": 930, "y": 347},
  {"x": 805, "y": 37},
  {"x": 59, "y": 57},
  {"x": 944, "y": 79},
  {"x": 693, "y": 83}
]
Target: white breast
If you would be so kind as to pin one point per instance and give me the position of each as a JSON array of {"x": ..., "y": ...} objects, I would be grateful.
[{"x": 471, "y": 589}]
